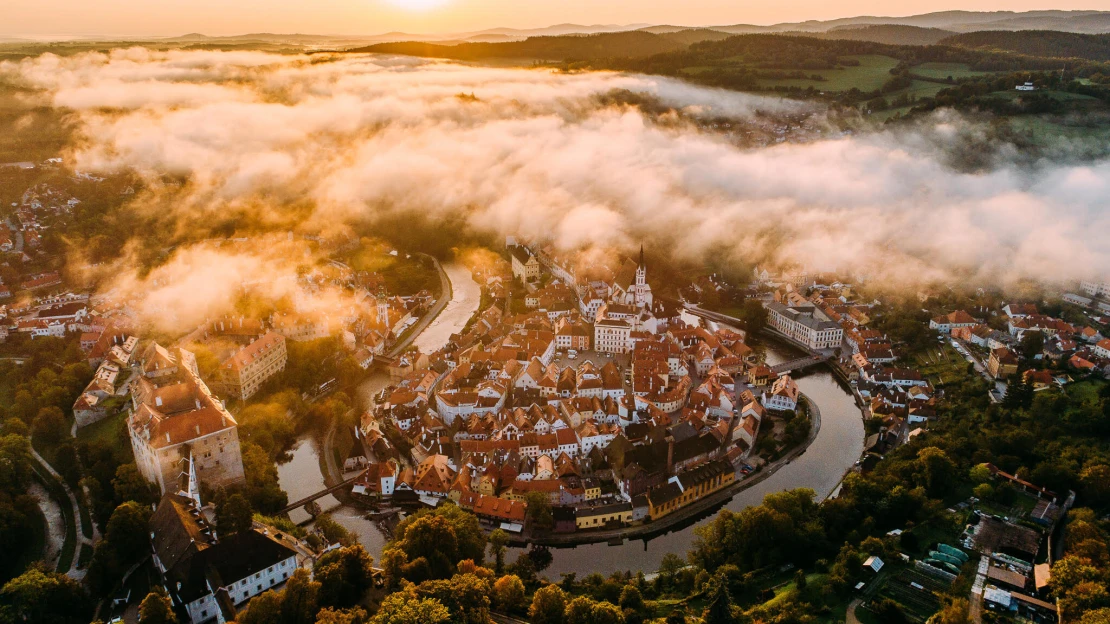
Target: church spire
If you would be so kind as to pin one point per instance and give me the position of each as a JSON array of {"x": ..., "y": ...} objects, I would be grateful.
[{"x": 641, "y": 254}]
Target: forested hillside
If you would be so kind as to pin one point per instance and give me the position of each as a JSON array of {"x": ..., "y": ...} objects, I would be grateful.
[
  {"x": 567, "y": 48},
  {"x": 1044, "y": 43}
]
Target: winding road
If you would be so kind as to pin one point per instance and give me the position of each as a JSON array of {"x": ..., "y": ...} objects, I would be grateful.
[{"x": 445, "y": 297}]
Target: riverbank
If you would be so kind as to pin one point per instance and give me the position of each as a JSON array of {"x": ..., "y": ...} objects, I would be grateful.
[
  {"x": 692, "y": 512},
  {"x": 820, "y": 468}
]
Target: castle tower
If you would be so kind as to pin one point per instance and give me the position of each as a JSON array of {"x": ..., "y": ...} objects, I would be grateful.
[
  {"x": 641, "y": 291},
  {"x": 383, "y": 308}
]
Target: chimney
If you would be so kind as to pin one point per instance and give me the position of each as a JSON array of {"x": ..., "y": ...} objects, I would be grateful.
[
  {"x": 158, "y": 401},
  {"x": 670, "y": 454},
  {"x": 197, "y": 428},
  {"x": 167, "y": 437}
]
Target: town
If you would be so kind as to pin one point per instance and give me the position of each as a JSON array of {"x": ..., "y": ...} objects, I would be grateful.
[
  {"x": 578, "y": 405},
  {"x": 804, "y": 323}
]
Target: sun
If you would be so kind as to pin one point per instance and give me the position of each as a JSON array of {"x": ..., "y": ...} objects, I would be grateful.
[{"x": 417, "y": 5}]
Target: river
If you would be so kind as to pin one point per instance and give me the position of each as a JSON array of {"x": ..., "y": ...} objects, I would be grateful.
[
  {"x": 466, "y": 296},
  {"x": 836, "y": 449},
  {"x": 301, "y": 476}
]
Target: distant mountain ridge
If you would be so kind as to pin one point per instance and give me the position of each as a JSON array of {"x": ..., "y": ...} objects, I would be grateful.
[
  {"x": 923, "y": 29},
  {"x": 1080, "y": 21}
]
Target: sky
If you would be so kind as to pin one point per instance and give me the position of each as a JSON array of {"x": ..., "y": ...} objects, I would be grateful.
[{"x": 56, "y": 18}]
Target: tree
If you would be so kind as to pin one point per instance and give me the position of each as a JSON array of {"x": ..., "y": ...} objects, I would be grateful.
[
  {"x": 1032, "y": 344},
  {"x": 548, "y": 605},
  {"x": 585, "y": 610},
  {"x": 1095, "y": 482},
  {"x": 632, "y": 599},
  {"x": 265, "y": 609},
  {"x": 344, "y": 574},
  {"x": 719, "y": 609},
  {"x": 580, "y": 610},
  {"x": 983, "y": 491},
  {"x": 156, "y": 608},
  {"x": 753, "y": 316},
  {"x": 44, "y": 597},
  {"x": 234, "y": 515},
  {"x": 508, "y": 593},
  {"x": 498, "y": 540},
  {"x": 334, "y": 532},
  {"x": 937, "y": 470},
  {"x": 129, "y": 485},
  {"x": 1086, "y": 596},
  {"x": 1096, "y": 616},
  {"x": 433, "y": 539},
  {"x": 300, "y": 599},
  {"x": 888, "y": 612},
  {"x": 980, "y": 473},
  {"x": 955, "y": 612},
  {"x": 49, "y": 426},
  {"x": 1069, "y": 572},
  {"x": 442, "y": 537},
  {"x": 669, "y": 567},
  {"x": 539, "y": 510},
  {"x": 127, "y": 531},
  {"x": 393, "y": 564},
  {"x": 466, "y": 597},
  {"x": 354, "y": 615},
  {"x": 404, "y": 607},
  {"x": 67, "y": 464}
]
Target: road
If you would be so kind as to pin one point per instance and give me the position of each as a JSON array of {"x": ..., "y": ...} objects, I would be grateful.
[
  {"x": 18, "y": 248},
  {"x": 422, "y": 324},
  {"x": 76, "y": 515},
  {"x": 998, "y": 390},
  {"x": 850, "y": 616}
]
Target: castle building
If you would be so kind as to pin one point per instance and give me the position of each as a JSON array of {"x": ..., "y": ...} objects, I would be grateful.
[{"x": 175, "y": 416}]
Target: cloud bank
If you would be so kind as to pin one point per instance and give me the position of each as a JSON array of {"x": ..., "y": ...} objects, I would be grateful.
[{"x": 325, "y": 141}]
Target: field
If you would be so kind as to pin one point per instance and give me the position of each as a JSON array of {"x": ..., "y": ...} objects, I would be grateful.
[
  {"x": 1086, "y": 391},
  {"x": 872, "y": 73},
  {"x": 1063, "y": 96},
  {"x": 943, "y": 71},
  {"x": 918, "y": 602},
  {"x": 941, "y": 364},
  {"x": 1076, "y": 130}
]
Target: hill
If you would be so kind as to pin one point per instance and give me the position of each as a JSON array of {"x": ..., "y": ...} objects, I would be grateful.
[
  {"x": 630, "y": 44},
  {"x": 1044, "y": 43},
  {"x": 894, "y": 34},
  {"x": 691, "y": 36},
  {"x": 957, "y": 21}
]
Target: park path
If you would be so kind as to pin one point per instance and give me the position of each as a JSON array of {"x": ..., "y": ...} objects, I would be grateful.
[{"x": 73, "y": 572}]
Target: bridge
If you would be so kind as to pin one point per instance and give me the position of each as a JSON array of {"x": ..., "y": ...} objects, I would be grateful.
[
  {"x": 713, "y": 316},
  {"x": 794, "y": 366},
  {"x": 308, "y": 499}
]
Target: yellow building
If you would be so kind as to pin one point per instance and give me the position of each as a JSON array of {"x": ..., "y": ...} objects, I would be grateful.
[
  {"x": 602, "y": 516},
  {"x": 592, "y": 488},
  {"x": 244, "y": 373},
  {"x": 690, "y": 486}
]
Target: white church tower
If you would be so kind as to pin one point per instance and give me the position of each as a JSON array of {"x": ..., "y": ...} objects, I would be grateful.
[{"x": 641, "y": 292}]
